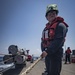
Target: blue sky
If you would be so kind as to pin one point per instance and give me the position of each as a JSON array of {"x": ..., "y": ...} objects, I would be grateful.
[{"x": 22, "y": 22}]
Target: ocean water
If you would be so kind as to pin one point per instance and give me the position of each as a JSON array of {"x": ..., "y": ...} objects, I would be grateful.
[{"x": 1, "y": 59}]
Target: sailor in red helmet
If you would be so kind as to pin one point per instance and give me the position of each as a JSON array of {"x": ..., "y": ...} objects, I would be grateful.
[{"x": 52, "y": 41}]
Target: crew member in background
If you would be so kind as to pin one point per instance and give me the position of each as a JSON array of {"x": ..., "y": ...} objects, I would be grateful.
[
  {"x": 52, "y": 41},
  {"x": 67, "y": 55},
  {"x": 32, "y": 58}
]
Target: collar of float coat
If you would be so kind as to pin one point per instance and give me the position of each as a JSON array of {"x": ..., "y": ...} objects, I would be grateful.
[{"x": 57, "y": 19}]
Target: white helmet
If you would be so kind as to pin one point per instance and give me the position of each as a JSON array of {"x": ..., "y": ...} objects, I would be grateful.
[{"x": 51, "y": 7}]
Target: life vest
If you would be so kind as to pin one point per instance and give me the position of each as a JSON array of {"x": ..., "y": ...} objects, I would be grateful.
[
  {"x": 68, "y": 51},
  {"x": 49, "y": 31}
]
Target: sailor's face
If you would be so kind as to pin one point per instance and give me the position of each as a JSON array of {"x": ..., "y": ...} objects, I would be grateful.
[{"x": 51, "y": 16}]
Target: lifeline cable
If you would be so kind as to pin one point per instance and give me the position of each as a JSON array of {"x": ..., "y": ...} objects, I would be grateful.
[{"x": 7, "y": 59}]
